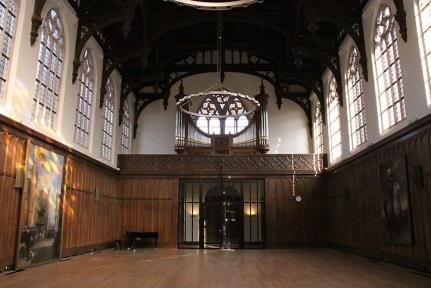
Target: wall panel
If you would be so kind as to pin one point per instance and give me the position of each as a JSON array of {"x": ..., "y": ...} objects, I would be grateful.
[
  {"x": 89, "y": 223},
  {"x": 150, "y": 205},
  {"x": 352, "y": 204},
  {"x": 12, "y": 154},
  {"x": 290, "y": 223},
  {"x": 86, "y": 223}
]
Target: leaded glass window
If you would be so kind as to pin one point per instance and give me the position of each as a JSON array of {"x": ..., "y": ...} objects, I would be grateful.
[
  {"x": 85, "y": 100},
  {"x": 424, "y": 31},
  {"x": 355, "y": 95},
  {"x": 390, "y": 88},
  {"x": 125, "y": 130},
  {"x": 222, "y": 105},
  {"x": 333, "y": 102},
  {"x": 108, "y": 121},
  {"x": 7, "y": 31},
  {"x": 46, "y": 96}
]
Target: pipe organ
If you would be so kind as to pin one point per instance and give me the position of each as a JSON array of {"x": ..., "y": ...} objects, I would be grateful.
[{"x": 253, "y": 139}]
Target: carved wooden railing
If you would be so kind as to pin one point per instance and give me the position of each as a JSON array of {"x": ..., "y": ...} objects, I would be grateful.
[{"x": 305, "y": 164}]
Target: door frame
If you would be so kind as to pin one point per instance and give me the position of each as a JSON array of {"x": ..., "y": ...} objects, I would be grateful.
[{"x": 219, "y": 182}]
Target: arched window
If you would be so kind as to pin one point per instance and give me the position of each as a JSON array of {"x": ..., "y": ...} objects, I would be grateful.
[
  {"x": 355, "y": 95},
  {"x": 390, "y": 90},
  {"x": 125, "y": 130},
  {"x": 318, "y": 129},
  {"x": 7, "y": 29},
  {"x": 108, "y": 121},
  {"x": 85, "y": 100},
  {"x": 231, "y": 107},
  {"x": 334, "y": 120},
  {"x": 423, "y": 18},
  {"x": 49, "y": 70}
]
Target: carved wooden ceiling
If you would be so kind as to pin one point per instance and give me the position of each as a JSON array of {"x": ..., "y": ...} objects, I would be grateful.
[{"x": 155, "y": 43}]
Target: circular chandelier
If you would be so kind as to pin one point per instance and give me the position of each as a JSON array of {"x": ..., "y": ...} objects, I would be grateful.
[
  {"x": 215, "y": 5},
  {"x": 219, "y": 104}
]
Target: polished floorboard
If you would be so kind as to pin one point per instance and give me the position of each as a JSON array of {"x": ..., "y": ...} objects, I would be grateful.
[{"x": 147, "y": 268}]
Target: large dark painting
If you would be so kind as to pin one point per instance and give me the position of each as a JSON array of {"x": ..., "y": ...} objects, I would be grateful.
[{"x": 395, "y": 198}]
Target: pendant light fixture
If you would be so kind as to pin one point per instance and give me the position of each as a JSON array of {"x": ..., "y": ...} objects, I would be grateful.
[{"x": 215, "y": 5}]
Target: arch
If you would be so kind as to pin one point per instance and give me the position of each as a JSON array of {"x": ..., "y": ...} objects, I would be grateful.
[
  {"x": 46, "y": 98},
  {"x": 125, "y": 129},
  {"x": 359, "y": 42},
  {"x": 108, "y": 121},
  {"x": 273, "y": 81},
  {"x": 388, "y": 81},
  {"x": 334, "y": 121},
  {"x": 355, "y": 100},
  {"x": 85, "y": 101},
  {"x": 81, "y": 42}
]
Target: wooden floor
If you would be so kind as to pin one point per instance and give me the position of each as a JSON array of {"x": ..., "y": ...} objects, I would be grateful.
[{"x": 193, "y": 268}]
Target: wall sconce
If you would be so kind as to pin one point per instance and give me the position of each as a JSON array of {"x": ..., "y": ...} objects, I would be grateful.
[
  {"x": 250, "y": 209},
  {"x": 193, "y": 211},
  {"x": 97, "y": 194},
  {"x": 19, "y": 177}
]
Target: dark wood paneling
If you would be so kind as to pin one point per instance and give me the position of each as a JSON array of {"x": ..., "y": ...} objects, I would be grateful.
[
  {"x": 12, "y": 154},
  {"x": 150, "y": 205},
  {"x": 290, "y": 223},
  {"x": 352, "y": 208},
  {"x": 342, "y": 209},
  {"x": 88, "y": 223}
]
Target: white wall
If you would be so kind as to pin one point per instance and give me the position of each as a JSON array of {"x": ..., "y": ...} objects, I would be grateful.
[
  {"x": 288, "y": 127},
  {"x": 17, "y": 103},
  {"x": 156, "y": 129},
  {"x": 413, "y": 77}
]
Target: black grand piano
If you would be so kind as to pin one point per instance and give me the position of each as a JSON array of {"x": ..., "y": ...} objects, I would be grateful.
[{"x": 134, "y": 238}]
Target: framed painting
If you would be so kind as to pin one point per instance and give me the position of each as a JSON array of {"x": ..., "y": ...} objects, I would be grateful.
[
  {"x": 396, "y": 202},
  {"x": 39, "y": 239}
]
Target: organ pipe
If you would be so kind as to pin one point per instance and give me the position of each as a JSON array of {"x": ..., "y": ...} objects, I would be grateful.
[
  {"x": 180, "y": 130},
  {"x": 262, "y": 120}
]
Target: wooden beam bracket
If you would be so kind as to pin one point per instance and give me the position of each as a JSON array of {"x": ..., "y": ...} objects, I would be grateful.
[
  {"x": 333, "y": 64},
  {"x": 36, "y": 20},
  {"x": 356, "y": 32},
  {"x": 401, "y": 17},
  {"x": 108, "y": 68},
  {"x": 317, "y": 88}
]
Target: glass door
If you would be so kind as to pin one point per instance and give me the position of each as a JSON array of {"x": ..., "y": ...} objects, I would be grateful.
[
  {"x": 216, "y": 213},
  {"x": 212, "y": 227}
]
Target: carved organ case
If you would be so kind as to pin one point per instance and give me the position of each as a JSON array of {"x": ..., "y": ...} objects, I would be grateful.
[{"x": 222, "y": 124}]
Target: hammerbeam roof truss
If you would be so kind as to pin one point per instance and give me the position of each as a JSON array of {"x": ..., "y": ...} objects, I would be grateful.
[{"x": 155, "y": 43}]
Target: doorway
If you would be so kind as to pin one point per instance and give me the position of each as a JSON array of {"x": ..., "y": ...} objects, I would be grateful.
[{"x": 226, "y": 213}]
